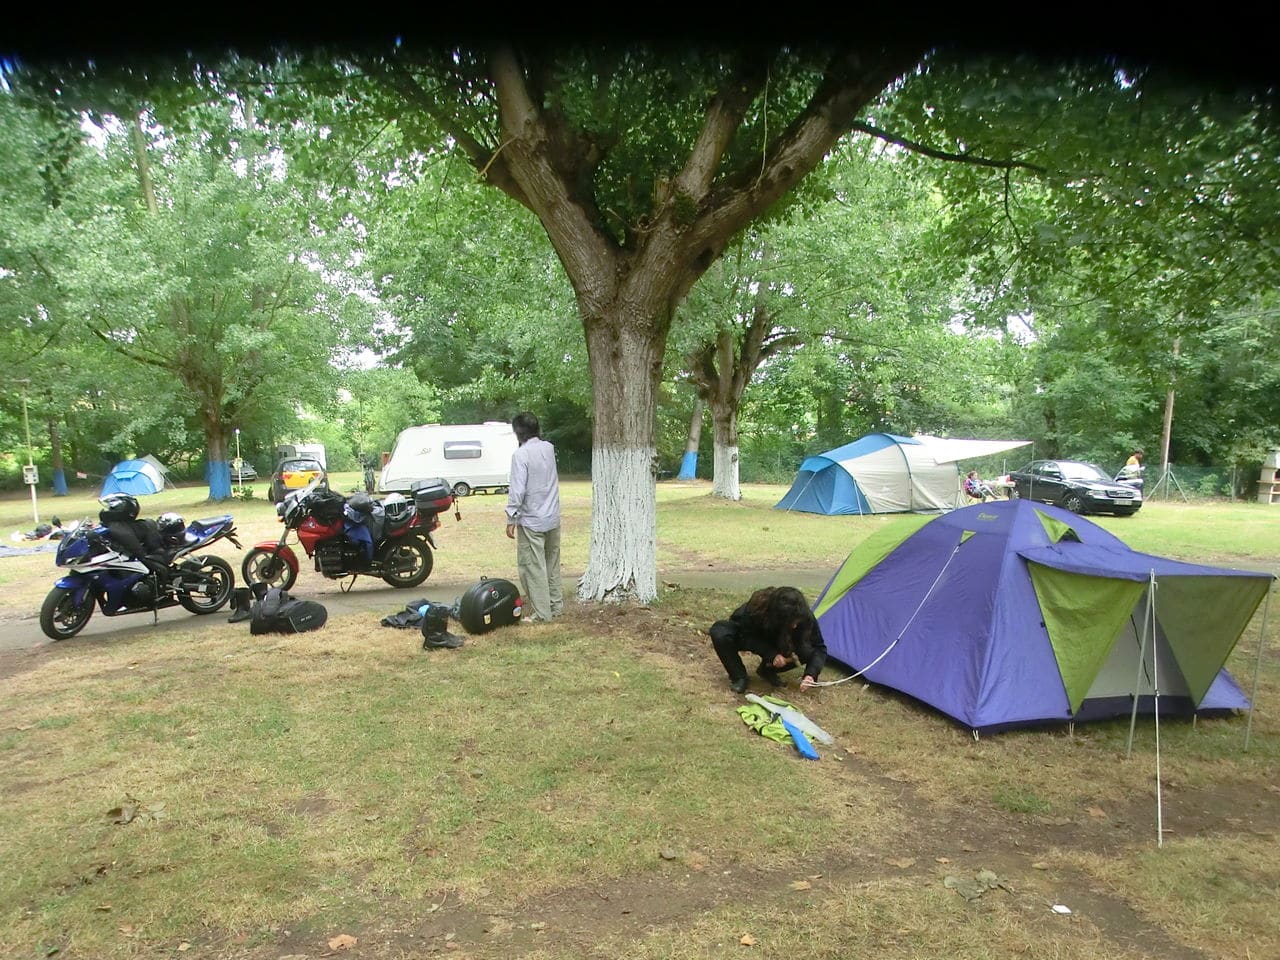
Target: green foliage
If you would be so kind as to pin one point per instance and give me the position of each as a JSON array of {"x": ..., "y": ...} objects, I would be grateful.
[
  {"x": 382, "y": 403},
  {"x": 230, "y": 290}
]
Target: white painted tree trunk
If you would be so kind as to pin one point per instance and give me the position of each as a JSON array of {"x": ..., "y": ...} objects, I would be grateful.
[
  {"x": 725, "y": 482},
  {"x": 624, "y": 527},
  {"x": 626, "y": 364}
]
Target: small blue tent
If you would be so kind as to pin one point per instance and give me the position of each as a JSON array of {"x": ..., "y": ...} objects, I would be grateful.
[
  {"x": 136, "y": 477},
  {"x": 884, "y": 473},
  {"x": 1011, "y": 613}
]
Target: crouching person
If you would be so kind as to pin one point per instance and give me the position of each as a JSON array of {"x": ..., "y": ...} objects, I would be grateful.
[{"x": 777, "y": 625}]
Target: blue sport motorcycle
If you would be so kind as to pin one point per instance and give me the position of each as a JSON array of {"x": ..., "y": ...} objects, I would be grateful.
[{"x": 102, "y": 574}]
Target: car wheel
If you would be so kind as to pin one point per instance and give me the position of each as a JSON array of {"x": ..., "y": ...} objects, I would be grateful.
[
  {"x": 461, "y": 488},
  {"x": 1015, "y": 493},
  {"x": 1073, "y": 502}
]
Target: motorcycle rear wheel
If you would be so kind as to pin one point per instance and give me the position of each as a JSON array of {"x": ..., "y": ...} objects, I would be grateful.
[
  {"x": 221, "y": 579},
  {"x": 60, "y": 618},
  {"x": 401, "y": 552},
  {"x": 263, "y": 566}
]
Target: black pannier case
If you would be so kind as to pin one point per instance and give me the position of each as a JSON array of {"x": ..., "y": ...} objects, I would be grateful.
[
  {"x": 432, "y": 494},
  {"x": 489, "y": 604}
]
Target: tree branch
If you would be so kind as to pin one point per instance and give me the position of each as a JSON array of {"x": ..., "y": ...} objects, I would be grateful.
[
  {"x": 863, "y": 127},
  {"x": 851, "y": 81},
  {"x": 724, "y": 114},
  {"x": 124, "y": 351},
  {"x": 481, "y": 155},
  {"x": 531, "y": 162}
]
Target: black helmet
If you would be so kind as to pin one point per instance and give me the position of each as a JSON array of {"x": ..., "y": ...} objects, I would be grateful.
[
  {"x": 171, "y": 526},
  {"x": 118, "y": 506}
]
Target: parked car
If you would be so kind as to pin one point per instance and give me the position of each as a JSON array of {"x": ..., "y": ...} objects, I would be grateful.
[
  {"x": 294, "y": 473},
  {"x": 246, "y": 474},
  {"x": 1077, "y": 486}
]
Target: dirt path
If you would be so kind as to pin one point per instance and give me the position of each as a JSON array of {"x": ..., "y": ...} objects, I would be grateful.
[{"x": 21, "y": 639}]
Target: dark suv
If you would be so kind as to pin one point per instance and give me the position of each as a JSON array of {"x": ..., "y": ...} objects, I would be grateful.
[{"x": 1077, "y": 486}]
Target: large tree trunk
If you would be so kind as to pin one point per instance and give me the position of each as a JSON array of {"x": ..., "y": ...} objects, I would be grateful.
[
  {"x": 626, "y": 366},
  {"x": 724, "y": 484},
  {"x": 627, "y": 291},
  {"x": 217, "y": 469}
]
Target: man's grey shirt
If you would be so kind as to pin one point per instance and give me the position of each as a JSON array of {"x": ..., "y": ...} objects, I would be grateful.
[{"x": 533, "y": 498}]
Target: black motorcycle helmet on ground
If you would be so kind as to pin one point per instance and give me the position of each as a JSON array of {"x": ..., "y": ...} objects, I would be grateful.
[{"x": 118, "y": 506}]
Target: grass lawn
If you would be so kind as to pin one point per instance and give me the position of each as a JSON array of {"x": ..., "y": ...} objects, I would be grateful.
[{"x": 584, "y": 789}]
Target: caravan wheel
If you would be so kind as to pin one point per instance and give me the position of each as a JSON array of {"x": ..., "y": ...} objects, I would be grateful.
[{"x": 461, "y": 489}]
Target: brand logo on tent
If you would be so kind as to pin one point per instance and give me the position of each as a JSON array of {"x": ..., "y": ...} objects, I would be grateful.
[{"x": 987, "y": 516}]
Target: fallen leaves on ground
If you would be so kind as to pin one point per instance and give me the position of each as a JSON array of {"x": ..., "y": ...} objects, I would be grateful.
[
  {"x": 901, "y": 862},
  {"x": 343, "y": 941},
  {"x": 801, "y": 885},
  {"x": 747, "y": 940}
]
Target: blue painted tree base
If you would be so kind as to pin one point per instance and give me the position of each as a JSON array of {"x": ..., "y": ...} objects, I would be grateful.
[
  {"x": 689, "y": 466},
  {"x": 60, "y": 483},
  {"x": 218, "y": 473}
]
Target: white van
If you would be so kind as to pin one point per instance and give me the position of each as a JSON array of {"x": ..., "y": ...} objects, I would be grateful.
[{"x": 469, "y": 456}]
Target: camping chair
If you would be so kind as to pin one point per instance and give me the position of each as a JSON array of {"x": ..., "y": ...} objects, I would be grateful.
[{"x": 977, "y": 489}]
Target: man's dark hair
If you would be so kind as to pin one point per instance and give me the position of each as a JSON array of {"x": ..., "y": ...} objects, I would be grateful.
[
  {"x": 526, "y": 426},
  {"x": 776, "y": 610}
]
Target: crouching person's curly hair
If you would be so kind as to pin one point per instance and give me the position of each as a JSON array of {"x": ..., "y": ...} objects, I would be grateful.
[{"x": 783, "y": 613}]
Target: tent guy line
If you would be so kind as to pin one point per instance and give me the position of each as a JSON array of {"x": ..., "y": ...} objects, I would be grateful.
[{"x": 901, "y": 633}]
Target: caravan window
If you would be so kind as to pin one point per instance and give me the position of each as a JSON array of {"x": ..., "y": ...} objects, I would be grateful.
[{"x": 462, "y": 450}]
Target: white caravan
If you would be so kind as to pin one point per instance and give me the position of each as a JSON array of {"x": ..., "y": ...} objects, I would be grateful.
[{"x": 468, "y": 456}]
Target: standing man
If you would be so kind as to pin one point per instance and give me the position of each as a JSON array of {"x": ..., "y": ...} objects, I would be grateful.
[{"x": 533, "y": 519}]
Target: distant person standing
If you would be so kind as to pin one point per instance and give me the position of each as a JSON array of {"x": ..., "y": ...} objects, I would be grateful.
[
  {"x": 1131, "y": 472},
  {"x": 1133, "y": 466},
  {"x": 533, "y": 519}
]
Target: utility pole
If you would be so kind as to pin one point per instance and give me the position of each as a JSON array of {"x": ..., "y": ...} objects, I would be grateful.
[{"x": 30, "y": 475}]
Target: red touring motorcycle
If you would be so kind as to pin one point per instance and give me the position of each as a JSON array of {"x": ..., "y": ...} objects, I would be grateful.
[{"x": 348, "y": 536}]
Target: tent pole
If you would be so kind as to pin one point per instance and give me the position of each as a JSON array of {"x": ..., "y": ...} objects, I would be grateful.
[
  {"x": 1142, "y": 656},
  {"x": 1155, "y": 682},
  {"x": 1257, "y": 665}
]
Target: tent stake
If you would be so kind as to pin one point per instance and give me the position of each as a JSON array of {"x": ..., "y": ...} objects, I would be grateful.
[
  {"x": 1257, "y": 666},
  {"x": 1147, "y": 616}
]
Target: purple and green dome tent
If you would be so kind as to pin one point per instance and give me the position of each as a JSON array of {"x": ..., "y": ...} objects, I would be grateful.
[{"x": 1012, "y": 613}]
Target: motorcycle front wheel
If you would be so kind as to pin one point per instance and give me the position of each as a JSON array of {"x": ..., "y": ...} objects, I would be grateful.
[
  {"x": 60, "y": 617},
  {"x": 263, "y": 566},
  {"x": 407, "y": 563},
  {"x": 218, "y": 580}
]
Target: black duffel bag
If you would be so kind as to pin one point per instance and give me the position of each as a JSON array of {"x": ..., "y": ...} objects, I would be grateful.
[
  {"x": 277, "y": 612},
  {"x": 490, "y": 603}
]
